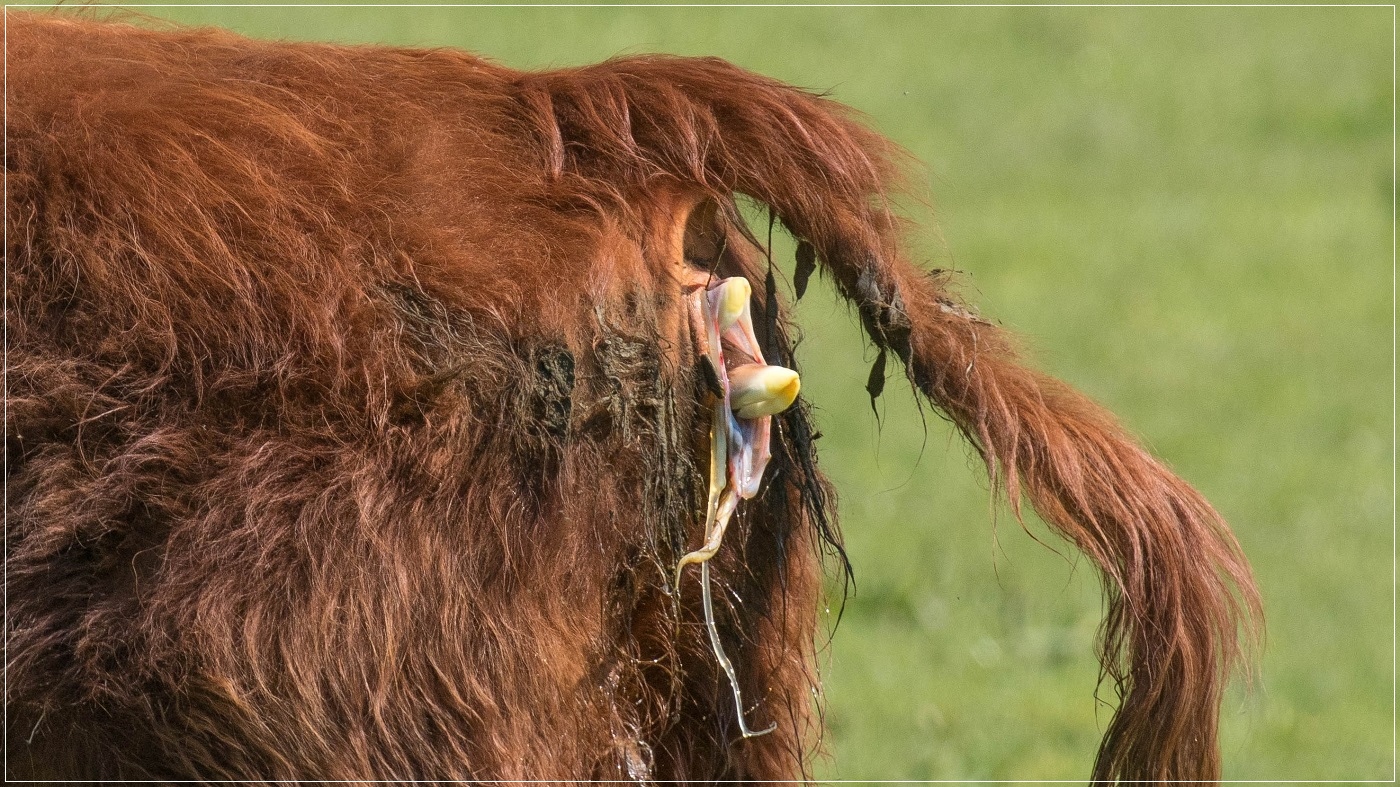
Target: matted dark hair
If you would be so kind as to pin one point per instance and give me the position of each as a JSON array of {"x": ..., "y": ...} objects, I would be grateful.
[{"x": 354, "y": 431}]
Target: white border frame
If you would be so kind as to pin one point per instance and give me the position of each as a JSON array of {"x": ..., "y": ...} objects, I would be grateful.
[{"x": 1394, "y": 432}]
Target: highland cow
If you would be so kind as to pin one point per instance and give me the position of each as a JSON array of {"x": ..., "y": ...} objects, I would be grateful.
[{"x": 359, "y": 419}]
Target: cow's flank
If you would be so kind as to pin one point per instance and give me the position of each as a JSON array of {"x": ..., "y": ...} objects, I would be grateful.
[{"x": 356, "y": 425}]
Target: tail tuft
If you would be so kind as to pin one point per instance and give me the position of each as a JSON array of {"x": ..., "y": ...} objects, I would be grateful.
[{"x": 1181, "y": 601}]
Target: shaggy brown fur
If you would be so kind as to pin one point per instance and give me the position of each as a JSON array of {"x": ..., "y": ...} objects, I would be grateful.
[{"x": 353, "y": 429}]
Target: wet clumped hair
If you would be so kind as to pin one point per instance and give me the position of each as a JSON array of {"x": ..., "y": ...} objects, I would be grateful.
[{"x": 354, "y": 429}]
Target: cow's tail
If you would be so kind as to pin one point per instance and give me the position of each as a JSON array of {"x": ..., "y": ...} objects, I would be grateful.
[{"x": 1182, "y": 606}]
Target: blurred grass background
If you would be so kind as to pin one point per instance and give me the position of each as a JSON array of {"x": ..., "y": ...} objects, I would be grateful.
[{"x": 1186, "y": 212}]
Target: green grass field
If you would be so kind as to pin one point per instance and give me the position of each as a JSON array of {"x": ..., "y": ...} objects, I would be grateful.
[{"x": 1186, "y": 212}]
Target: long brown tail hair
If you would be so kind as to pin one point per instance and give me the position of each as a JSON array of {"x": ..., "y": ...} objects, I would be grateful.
[{"x": 1182, "y": 607}]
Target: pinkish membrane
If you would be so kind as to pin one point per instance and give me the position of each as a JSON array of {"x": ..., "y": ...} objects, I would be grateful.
[{"x": 740, "y": 444}]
